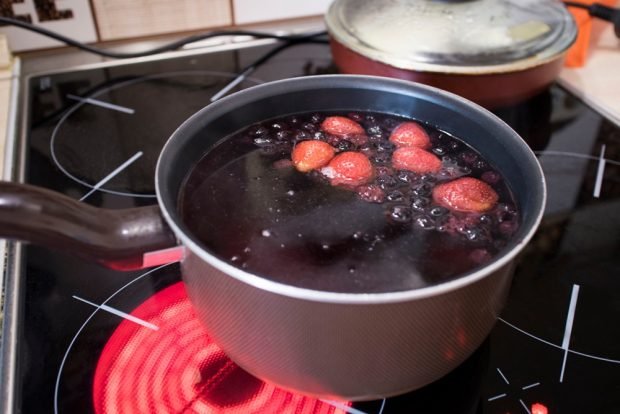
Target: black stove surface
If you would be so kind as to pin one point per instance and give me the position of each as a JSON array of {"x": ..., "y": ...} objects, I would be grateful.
[{"x": 95, "y": 135}]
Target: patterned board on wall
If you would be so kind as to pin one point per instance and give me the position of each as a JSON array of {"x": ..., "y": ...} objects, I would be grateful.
[
  {"x": 115, "y": 19},
  {"x": 72, "y": 18}
]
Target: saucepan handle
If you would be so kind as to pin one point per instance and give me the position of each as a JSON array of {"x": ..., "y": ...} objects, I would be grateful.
[{"x": 119, "y": 239}]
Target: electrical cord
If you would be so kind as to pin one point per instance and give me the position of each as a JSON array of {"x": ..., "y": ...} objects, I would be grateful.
[
  {"x": 601, "y": 11},
  {"x": 243, "y": 74},
  {"x": 164, "y": 48},
  {"x": 246, "y": 71}
]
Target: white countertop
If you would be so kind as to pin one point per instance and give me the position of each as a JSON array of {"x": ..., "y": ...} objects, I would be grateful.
[
  {"x": 598, "y": 82},
  {"x": 5, "y": 94}
]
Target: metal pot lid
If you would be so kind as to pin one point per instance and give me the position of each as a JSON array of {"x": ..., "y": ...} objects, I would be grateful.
[{"x": 453, "y": 35}]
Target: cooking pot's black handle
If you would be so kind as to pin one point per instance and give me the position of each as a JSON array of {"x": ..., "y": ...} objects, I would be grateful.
[{"x": 116, "y": 238}]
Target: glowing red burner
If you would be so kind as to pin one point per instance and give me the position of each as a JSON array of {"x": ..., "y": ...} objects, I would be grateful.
[
  {"x": 539, "y": 408},
  {"x": 178, "y": 369}
]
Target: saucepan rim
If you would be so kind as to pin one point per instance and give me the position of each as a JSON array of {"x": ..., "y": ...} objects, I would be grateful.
[{"x": 167, "y": 200}]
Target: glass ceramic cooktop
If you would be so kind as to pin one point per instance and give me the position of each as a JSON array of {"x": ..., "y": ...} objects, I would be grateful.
[{"x": 92, "y": 340}]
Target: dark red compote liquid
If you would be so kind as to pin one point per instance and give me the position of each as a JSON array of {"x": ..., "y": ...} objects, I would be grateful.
[{"x": 249, "y": 204}]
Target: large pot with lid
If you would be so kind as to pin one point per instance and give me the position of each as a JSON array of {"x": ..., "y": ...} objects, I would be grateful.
[{"x": 493, "y": 52}]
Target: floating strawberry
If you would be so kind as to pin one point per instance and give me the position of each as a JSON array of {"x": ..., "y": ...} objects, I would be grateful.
[
  {"x": 341, "y": 126},
  {"x": 410, "y": 134},
  {"x": 349, "y": 169},
  {"x": 465, "y": 194},
  {"x": 310, "y": 155},
  {"x": 416, "y": 160}
]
